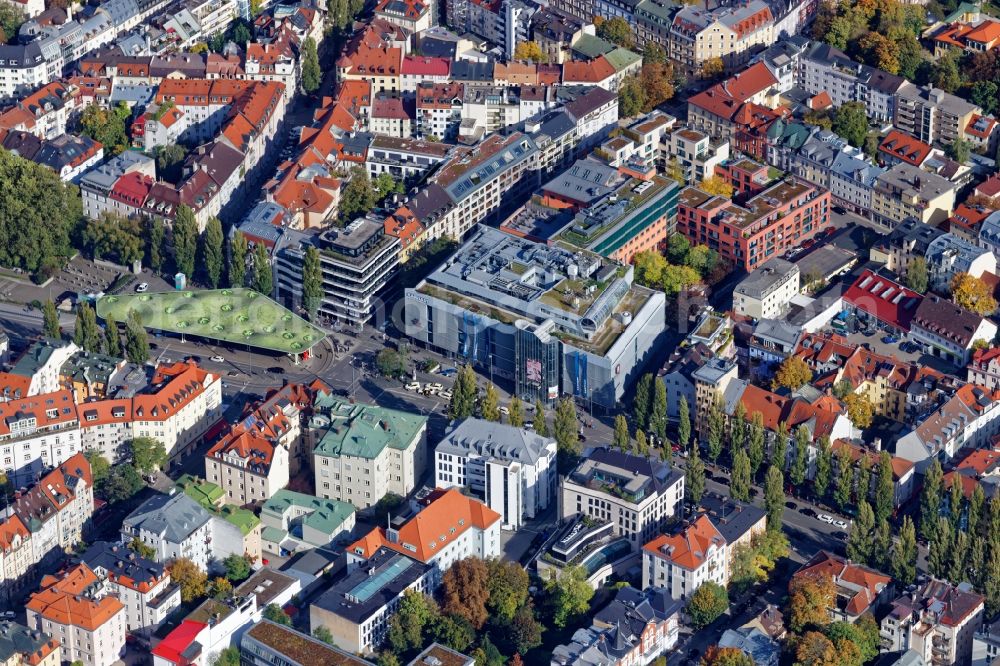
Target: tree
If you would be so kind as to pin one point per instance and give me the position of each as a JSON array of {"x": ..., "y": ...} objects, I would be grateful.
[
  {"x": 463, "y": 394},
  {"x": 155, "y": 239},
  {"x": 939, "y": 552},
  {"x": 538, "y": 424},
  {"x": 916, "y": 275},
  {"x": 391, "y": 362},
  {"x": 136, "y": 343},
  {"x": 851, "y": 122},
  {"x": 238, "y": 260},
  {"x": 385, "y": 185},
  {"x": 453, "y": 631},
  {"x": 11, "y": 19},
  {"x": 885, "y": 489},
  {"x": 717, "y": 186},
  {"x": 656, "y": 80},
  {"x": 170, "y": 158},
  {"x": 641, "y": 402},
  {"x": 358, "y": 196},
  {"x": 465, "y": 591},
  {"x": 695, "y": 481},
  {"x": 716, "y": 428},
  {"x": 631, "y": 97},
  {"x": 323, "y": 634},
  {"x": 221, "y": 589},
  {"x": 530, "y": 51},
  {"x": 824, "y": 465},
  {"x": 904, "y": 553},
  {"x": 809, "y": 599},
  {"x": 815, "y": 649},
  {"x": 658, "y": 411},
  {"x": 406, "y": 628},
  {"x": 739, "y": 481},
  {"x": 86, "y": 334},
  {"x": 945, "y": 73},
  {"x": 713, "y": 68},
  {"x": 565, "y": 428},
  {"x": 774, "y": 497},
  {"x": 263, "y": 278},
  {"x": 99, "y": 466},
  {"x": 229, "y": 656},
  {"x": 755, "y": 443},
  {"x": 50, "y": 320},
  {"x": 148, "y": 454},
  {"x": 860, "y": 410},
  {"x": 274, "y": 613},
  {"x": 859, "y": 542},
  {"x": 515, "y": 415},
  {"x": 490, "y": 406},
  {"x": 237, "y": 568},
  {"x": 508, "y": 589},
  {"x": 108, "y": 126},
  {"x": 800, "y": 466},
  {"x": 985, "y": 94},
  {"x": 123, "y": 482},
  {"x": 956, "y": 500},
  {"x": 678, "y": 247},
  {"x": 959, "y": 150},
  {"x": 569, "y": 593},
  {"x": 716, "y": 656},
  {"x": 845, "y": 478},
  {"x": 525, "y": 631},
  {"x": 973, "y": 294},
  {"x": 312, "y": 75},
  {"x": 312, "y": 282},
  {"x": 210, "y": 253},
  {"x": 684, "y": 423},
  {"x": 879, "y": 51},
  {"x": 113, "y": 237},
  {"x": 779, "y": 448},
  {"x": 738, "y": 428},
  {"x": 193, "y": 581},
  {"x": 620, "y": 439},
  {"x": 112, "y": 337},
  {"x": 653, "y": 53},
  {"x": 930, "y": 500},
  {"x": 185, "y": 237},
  {"x": 752, "y": 563},
  {"x": 707, "y": 603},
  {"x": 792, "y": 373},
  {"x": 142, "y": 550},
  {"x": 642, "y": 445},
  {"x": 617, "y": 31}
]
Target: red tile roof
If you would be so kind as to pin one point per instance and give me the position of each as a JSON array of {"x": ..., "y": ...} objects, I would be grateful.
[
  {"x": 590, "y": 71},
  {"x": 904, "y": 147},
  {"x": 863, "y": 585},
  {"x": 980, "y": 461},
  {"x": 61, "y": 600},
  {"x": 424, "y": 66},
  {"x": 689, "y": 547}
]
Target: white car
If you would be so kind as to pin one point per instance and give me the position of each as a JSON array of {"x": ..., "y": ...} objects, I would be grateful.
[
  {"x": 504, "y": 410},
  {"x": 412, "y": 386},
  {"x": 840, "y": 523},
  {"x": 823, "y": 518},
  {"x": 434, "y": 386},
  {"x": 144, "y": 286},
  {"x": 217, "y": 359},
  {"x": 446, "y": 394}
]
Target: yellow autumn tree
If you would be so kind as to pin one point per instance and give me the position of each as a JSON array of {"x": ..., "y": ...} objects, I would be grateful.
[
  {"x": 972, "y": 294},
  {"x": 530, "y": 51},
  {"x": 717, "y": 186},
  {"x": 713, "y": 68}
]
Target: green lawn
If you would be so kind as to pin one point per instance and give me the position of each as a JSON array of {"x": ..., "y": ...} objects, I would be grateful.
[{"x": 229, "y": 315}]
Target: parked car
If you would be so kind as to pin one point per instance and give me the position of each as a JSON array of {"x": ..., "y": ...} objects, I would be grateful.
[
  {"x": 840, "y": 535},
  {"x": 840, "y": 523},
  {"x": 823, "y": 518},
  {"x": 412, "y": 386},
  {"x": 791, "y": 505},
  {"x": 890, "y": 339},
  {"x": 141, "y": 287},
  {"x": 809, "y": 513},
  {"x": 446, "y": 394},
  {"x": 275, "y": 370},
  {"x": 217, "y": 359}
]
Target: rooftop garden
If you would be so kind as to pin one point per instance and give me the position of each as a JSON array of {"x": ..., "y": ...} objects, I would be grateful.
[{"x": 227, "y": 315}]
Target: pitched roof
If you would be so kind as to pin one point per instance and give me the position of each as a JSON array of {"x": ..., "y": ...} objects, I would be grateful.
[
  {"x": 689, "y": 547},
  {"x": 905, "y": 147},
  {"x": 447, "y": 516},
  {"x": 63, "y": 600},
  {"x": 860, "y": 585},
  {"x": 589, "y": 71},
  {"x": 887, "y": 300}
]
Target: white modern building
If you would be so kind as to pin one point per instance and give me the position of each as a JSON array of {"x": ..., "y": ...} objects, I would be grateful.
[
  {"x": 768, "y": 291},
  {"x": 512, "y": 469}
]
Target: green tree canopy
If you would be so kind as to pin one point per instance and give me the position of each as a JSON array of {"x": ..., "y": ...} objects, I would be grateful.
[
  {"x": 851, "y": 122},
  {"x": 148, "y": 454},
  {"x": 707, "y": 603},
  {"x": 312, "y": 75}
]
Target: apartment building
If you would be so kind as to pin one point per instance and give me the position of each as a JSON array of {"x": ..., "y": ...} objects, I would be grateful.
[
  {"x": 20, "y": 646},
  {"x": 438, "y": 110},
  {"x": 142, "y": 586},
  {"x": 725, "y": 106},
  {"x": 696, "y": 153},
  {"x": 404, "y": 158},
  {"x": 904, "y": 191},
  {"x": 984, "y": 369},
  {"x": 58, "y": 508},
  {"x": 294, "y": 522},
  {"x": 447, "y": 527},
  {"x": 17, "y": 556},
  {"x": 37, "y": 370},
  {"x": 268, "y": 643},
  {"x": 826, "y": 160},
  {"x": 27, "y": 67},
  {"x": 968, "y": 419},
  {"x": 859, "y": 589},
  {"x": 703, "y": 550},
  {"x": 357, "y": 261},
  {"x": 513, "y": 470},
  {"x": 938, "y": 621},
  {"x": 251, "y": 461},
  {"x": 768, "y": 291},
  {"x": 357, "y": 609},
  {"x": 36, "y": 433},
  {"x": 823, "y": 68},
  {"x": 781, "y": 217},
  {"x": 949, "y": 331},
  {"x": 173, "y": 526},
  {"x": 91, "y": 628},
  {"x": 97, "y": 186},
  {"x": 931, "y": 114},
  {"x": 949, "y": 255},
  {"x": 732, "y": 34},
  {"x": 635, "y": 494},
  {"x": 361, "y": 452}
]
